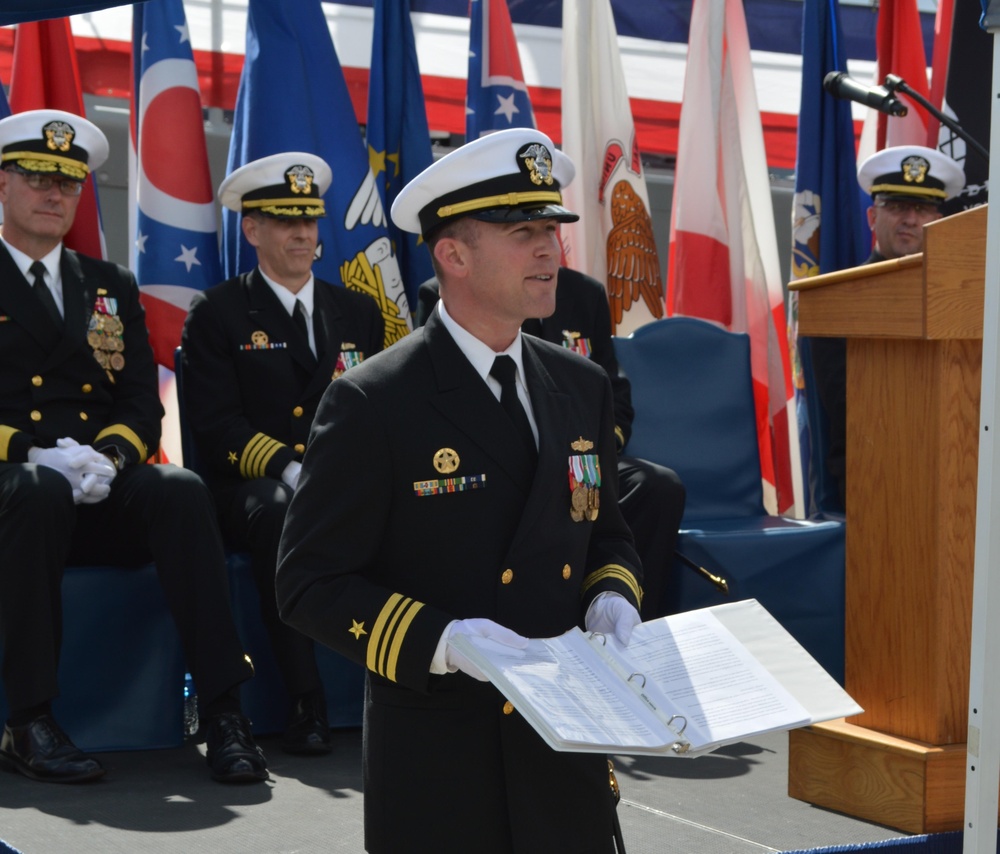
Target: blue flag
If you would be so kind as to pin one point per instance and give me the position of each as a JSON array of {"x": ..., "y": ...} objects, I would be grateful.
[
  {"x": 20, "y": 11},
  {"x": 830, "y": 228},
  {"x": 496, "y": 96},
  {"x": 176, "y": 237},
  {"x": 292, "y": 97},
  {"x": 399, "y": 145}
]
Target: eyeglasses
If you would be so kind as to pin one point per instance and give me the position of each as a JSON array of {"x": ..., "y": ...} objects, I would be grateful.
[
  {"x": 44, "y": 183},
  {"x": 898, "y": 208}
]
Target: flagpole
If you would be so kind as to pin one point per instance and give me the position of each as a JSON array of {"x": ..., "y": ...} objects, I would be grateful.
[{"x": 982, "y": 780}]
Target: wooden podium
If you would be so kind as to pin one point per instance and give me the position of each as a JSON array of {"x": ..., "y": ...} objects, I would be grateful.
[{"x": 914, "y": 329}]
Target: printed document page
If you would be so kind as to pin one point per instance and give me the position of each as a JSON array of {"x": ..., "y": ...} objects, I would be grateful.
[
  {"x": 711, "y": 679},
  {"x": 570, "y": 695}
]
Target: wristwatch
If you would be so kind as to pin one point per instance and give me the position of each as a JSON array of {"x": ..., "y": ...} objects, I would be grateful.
[{"x": 113, "y": 454}]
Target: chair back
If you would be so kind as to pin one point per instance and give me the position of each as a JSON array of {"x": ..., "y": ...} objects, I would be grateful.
[{"x": 692, "y": 390}]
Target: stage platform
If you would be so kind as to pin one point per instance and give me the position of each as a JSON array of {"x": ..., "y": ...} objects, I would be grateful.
[{"x": 730, "y": 802}]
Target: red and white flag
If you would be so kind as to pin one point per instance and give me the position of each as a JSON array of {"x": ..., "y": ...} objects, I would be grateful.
[
  {"x": 613, "y": 242},
  {"x": 723, "y": 263},
  {"x": 899, "y": 46},
  {"x": 44, "y": 76}
]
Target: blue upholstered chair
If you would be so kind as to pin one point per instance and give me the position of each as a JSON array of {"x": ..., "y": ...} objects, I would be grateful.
[
  {"x": 694, "y": 412},
  {"x": 265, "y": 699},
  {"x": 121, "y": 669}
]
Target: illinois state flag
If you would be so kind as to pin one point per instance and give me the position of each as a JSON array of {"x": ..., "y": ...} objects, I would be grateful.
[
  {"x": 399, "y": 143},
  {"x": 44, "y": 75},
  {"x": 176, "y": 250},
  {"x": 723, "y": 262},
  {"x": 496, "y": 95},
  {"x": 292, "y": 97},
  {"x": 613, "y": 241}
]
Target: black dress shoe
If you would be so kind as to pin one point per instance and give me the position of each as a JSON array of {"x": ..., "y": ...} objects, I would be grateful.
[
  {"x": 307, "y": 731},
  {"x": 42, "y": 751},
  {"x": 232, "y": 754}
]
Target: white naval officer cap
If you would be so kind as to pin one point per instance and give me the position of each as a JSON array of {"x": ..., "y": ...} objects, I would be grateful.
[
  {"x": 911, "y": 172},
  {"x": 52, "y": 141},
  {"x": 506, "y": 176},
  {"x": 286, "y": 185}
]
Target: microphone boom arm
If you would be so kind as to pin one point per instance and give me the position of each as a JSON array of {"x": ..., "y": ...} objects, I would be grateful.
[{"x": 894, "y": 83}]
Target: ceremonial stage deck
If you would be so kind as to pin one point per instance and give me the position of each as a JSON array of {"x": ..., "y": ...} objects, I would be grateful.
[{"x": 731, "y": 802}]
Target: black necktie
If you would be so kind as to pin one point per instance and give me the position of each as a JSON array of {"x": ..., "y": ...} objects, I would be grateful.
[
  {"x": 299, "y": 316},
  {"x": 43, "y": 293},
  {"x": 504, "y": 370}
]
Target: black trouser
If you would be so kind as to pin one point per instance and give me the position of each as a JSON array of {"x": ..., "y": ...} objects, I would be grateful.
[
  {"x": 253, "y": 512},
  {"x": 652, "y": 498},
  {"x": 154, "y": 512}
]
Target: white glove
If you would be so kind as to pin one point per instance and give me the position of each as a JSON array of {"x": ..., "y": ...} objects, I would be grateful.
[
  {"x": 478, "y": 627},
  {"x": 95, "y": 485},
  {"x": 76, "y": 463},
  {"x": 612, "y": 613},
  {"x": 291, "y": 474},
  {"x": 93, "y": 488}
]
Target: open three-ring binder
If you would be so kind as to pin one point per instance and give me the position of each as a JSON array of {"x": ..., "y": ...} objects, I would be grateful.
[{"x": 685, "y": 684}]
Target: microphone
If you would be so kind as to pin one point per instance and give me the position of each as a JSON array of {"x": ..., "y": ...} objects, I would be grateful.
[{"x": 840, "y": 85}]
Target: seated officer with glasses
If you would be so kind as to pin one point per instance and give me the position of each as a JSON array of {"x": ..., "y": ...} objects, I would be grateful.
[
  {"x": 80, "y": 416},
  {"x": 908, "y": 185}
]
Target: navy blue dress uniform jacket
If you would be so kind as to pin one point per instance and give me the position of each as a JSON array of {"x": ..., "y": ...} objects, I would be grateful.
[
  {"x": 52, "y": 384},
  {"x": 251, "y": 383},
  {"x": 417, "y": 506}
]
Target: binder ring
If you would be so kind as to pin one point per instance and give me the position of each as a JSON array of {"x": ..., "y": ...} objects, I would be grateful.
[
  {"x": 643, "y": 677},
  {"x": 680, "y": 718},
  {"x": 601, "y": 636}
]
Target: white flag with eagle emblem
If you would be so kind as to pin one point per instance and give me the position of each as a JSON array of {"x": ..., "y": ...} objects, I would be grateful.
[{"x": 613, "y": 241}]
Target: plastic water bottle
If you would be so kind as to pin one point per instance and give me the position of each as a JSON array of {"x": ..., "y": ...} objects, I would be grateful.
[{"x": 190, "y": 706}]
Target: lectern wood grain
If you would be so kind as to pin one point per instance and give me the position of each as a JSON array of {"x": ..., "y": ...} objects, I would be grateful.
[{"x": 914, "y": 330}]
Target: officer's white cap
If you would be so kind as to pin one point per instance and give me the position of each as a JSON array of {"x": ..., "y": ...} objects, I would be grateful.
[
  {"x": 52, "y": 141},
  {"x": 286, "y": 185},
  {"x": 506, "y": 176},
  {"x": 911, "y": 172}
]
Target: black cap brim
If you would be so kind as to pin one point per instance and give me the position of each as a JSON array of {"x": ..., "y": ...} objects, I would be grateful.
[
  {"x": 525, "y": 214},
  {"x": 915, "y": 198}
]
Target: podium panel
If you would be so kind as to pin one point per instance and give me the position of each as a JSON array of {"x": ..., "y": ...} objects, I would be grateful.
[
  {"x": 914, "y": 361},
  {"x": 912, "y": 444}
]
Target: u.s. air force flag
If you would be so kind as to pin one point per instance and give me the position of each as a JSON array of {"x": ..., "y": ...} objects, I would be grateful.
[
  {"x": 497, "y": 97},
  {"x": 292, "y": 97},
  {"x": 173, "y": 222}
]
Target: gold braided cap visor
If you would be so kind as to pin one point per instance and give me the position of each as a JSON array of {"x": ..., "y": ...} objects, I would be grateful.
[
  {"x": 290, "y": 207},
  {"x": 33, "y": 161}
]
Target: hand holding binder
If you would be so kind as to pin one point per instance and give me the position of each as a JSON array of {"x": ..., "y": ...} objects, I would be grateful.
[
  {"x": 685, "y": 684},
  {"x": 612, "y": 613}
]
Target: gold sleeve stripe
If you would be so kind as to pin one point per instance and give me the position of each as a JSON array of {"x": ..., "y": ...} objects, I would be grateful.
[
  {"x": 613, "y": 571},
  {"x": 129, "y": 436},
  {"x": 620, "y": 437},
  {"x": 257, "y": 454},
  {"x": 5, "y": 436},
  {"x": 388, "y": 634}
]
